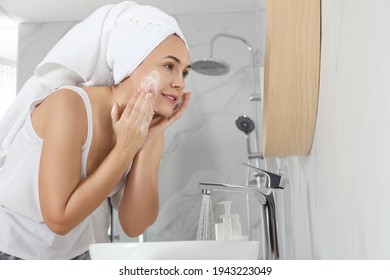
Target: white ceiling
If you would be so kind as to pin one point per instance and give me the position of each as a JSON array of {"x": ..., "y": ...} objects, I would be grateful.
[
  {"x": 13, "y": 12},
  {"x": 64, "y": 10}
]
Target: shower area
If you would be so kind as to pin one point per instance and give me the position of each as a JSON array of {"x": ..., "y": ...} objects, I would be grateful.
[{"x": 212, "y": 66}]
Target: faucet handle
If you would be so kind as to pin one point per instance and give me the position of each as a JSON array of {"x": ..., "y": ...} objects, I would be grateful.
[{"x": 273, "y": 179}]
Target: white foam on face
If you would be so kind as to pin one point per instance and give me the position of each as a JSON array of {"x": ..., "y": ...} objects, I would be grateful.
[{"x": 150, "y": 84}]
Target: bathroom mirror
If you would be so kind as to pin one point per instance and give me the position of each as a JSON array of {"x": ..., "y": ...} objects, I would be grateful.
[{"x": 291, "y": 76}]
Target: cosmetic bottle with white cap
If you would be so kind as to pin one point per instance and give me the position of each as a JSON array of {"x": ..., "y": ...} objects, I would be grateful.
[{"x": 230, "y": 228}]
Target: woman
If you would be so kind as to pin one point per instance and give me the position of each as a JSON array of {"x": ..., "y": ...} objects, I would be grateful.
[{"x": 81, "y": 144}]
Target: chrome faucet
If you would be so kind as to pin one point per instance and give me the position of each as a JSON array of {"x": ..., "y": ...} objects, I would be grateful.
[{"x": 265, "y": 196}]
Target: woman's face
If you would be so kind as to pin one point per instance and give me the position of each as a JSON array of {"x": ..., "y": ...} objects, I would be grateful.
[{"x": 163, "y": 73}]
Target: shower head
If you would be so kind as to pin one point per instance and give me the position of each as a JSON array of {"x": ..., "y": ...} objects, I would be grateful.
[
  {"x": 216, "y": 67},
  {"x": 245, "y": 124},
  {"x": 210, "y": 66}
]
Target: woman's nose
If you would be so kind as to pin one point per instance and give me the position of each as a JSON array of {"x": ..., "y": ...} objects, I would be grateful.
[{"x": 178, "y": 81}]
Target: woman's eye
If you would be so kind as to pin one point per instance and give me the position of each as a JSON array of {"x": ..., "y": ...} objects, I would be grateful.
[
  {"x": 169, "y": 66},
  {"x": 185, "y": 74}
]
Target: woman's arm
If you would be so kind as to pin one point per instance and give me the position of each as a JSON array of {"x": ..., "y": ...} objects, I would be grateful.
[
  {"x": 65, "y": 200},
  {"x": 139, "y": 205}
]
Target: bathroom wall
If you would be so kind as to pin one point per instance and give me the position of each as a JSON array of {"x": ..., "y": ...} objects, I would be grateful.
[
  {"x": 205, "y": 145},
  {"x": 337, "y": 204}
]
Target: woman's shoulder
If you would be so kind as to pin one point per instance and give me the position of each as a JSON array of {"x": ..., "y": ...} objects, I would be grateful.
[
  {"x": 62, "y": 109},
  {"x": 65, "y": 97}
]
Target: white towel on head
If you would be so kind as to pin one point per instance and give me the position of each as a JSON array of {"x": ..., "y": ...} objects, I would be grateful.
[{"x": 103, "y": 49}]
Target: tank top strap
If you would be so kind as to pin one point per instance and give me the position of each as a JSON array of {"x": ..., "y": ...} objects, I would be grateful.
[{"x": 87, "y": 145}]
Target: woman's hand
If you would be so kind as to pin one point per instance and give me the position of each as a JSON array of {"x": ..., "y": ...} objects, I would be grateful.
[
  {"x": 131, "y": 126},
  {"x": 160, "y": 123}
]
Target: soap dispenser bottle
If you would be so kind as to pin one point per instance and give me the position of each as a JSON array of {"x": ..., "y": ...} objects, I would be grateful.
[{"x": 230, "y": 228}]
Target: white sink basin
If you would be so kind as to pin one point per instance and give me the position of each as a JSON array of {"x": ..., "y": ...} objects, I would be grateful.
[{"x": 176, "y": 250}]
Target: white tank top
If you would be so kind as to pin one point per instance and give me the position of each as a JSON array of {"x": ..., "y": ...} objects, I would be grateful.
[{"x": 23, "y": 232}]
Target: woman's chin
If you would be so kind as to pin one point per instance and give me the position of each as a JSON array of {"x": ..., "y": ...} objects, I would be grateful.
[{"x": 164, "y": 112}]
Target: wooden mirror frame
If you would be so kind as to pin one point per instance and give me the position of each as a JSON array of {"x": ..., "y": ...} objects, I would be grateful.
[{"x": 291, "y": 76}]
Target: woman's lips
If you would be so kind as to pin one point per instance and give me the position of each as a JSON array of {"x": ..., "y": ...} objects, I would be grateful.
[{"x": 171, "y": 97}]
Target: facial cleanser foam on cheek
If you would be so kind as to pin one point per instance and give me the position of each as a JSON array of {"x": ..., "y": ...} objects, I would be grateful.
[{"x": 150, "y": 84}]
